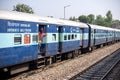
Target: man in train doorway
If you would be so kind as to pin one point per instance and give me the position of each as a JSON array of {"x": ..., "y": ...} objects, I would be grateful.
[{"x": 41, "y": 35}]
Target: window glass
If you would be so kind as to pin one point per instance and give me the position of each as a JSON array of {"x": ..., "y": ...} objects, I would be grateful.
[
  {"x": 27, "y": 39},
  {"x": 72, "y": 36},
  {"x": 35, "y": 38},
  {"x": 17, "y": 39},
  {"x": 53, "y": 37},
  {"x": 75, "y": 36},
  {"x": 65, "y": 37},
  {"x": 68, "y": 37}
]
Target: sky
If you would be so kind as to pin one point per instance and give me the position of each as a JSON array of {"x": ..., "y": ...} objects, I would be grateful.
[{"x": 55, "y": 8}]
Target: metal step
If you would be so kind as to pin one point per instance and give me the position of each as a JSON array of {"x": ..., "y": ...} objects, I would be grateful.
[
  {"x": 58, "y": 58},
  {"x": 41, "y": 62}
]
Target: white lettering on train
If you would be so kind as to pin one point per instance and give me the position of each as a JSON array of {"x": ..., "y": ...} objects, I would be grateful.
[
  {"x": 12, "y": 30},
  {"x": 25, "y": 30},
  {"x": 15, "y": 24},
  {"x": 18, "y": 27}
]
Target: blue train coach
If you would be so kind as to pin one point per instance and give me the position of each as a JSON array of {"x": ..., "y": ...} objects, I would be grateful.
[
  {"x": 21, "y": 45},
  {"x": 19, "y": 35},
  {"x": 18, "y": 39}
]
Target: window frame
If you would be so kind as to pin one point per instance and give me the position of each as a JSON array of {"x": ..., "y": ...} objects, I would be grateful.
[{"x": 18, "y": 42}]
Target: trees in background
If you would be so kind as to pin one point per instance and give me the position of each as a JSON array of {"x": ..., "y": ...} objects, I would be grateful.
[
  {"x": 83, "y": 18},
  {"x": 87, "y": 19},
  {"x": 108, "y": 19},
  {"x": 103, "y": 21},
  {"x": 91, "y": 18},
  {"x": 99, "y": 20},
  {"x": 23, "y": 8}
]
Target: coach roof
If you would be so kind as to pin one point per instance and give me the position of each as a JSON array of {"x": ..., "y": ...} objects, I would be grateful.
[
  {"x": 101, "y": 27},
  {"x": 13, "y": 15}
]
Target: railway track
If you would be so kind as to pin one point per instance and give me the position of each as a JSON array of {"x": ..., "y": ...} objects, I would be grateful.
[
  {"x": 106, "y": 69},
  {"x": 113, "y": 73}
]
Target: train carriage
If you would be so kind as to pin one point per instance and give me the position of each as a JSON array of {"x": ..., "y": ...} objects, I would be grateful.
[
  {"x": 99, "y": 35},
  {"x": 110, "y": 35},
  {"x": 117, "y": 35},
  {"x": 63, "y": 36},
  {"x": 21, "y": 47},
  {"x": 19, "y": 34},
  {"x": 18, "y": 39},
  {"x": 73, "y": 38}
]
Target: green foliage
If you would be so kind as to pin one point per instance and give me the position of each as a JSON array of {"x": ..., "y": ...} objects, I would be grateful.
[
  {"x": 87, "y": 19},
  {"x": 91, "y": 18},
  {"x": 83, "y": 18},
  {"x": 23, "y": 8},
  {"x": 102, "y": 21},
  {"x": 109, "y": 16},
  {"x": 108, "y": 19}
]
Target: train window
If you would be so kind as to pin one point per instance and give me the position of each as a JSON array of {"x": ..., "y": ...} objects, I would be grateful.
[
  {"x": 65, "y": 37},
  {"x": 53, "y": 37},
  {"x": 17, "y": 39},
  {"x": 27, "y": 39},
  {"x": 72, "y": 36},
  {"x": 35, "y": 38},
  {"x": 68, "y": 37},
  {"x": 75, "y": 36}
]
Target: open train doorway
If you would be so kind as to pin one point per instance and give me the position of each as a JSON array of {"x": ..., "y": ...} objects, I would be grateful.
[
  {"x": 81, "y": 37},
  {"x": 60, "y": 38},
  {"x": 41, "y": 39}
]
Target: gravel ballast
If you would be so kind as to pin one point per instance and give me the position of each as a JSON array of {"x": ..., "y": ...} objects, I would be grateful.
[{"x": 66, "y": 70}]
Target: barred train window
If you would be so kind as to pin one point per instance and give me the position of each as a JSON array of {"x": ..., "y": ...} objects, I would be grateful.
[
  {"x": 69, "y": 37},
  {"x": 35, "y": 38},
  {"x": 17, "y": 39},
  {"x": 75, "y": 36},
  {"x": 65, "y": 37},
  {"x": 72, "y": 36},
  {"x": 53, "y": 37},
  {"x": 27, "y": 39}
]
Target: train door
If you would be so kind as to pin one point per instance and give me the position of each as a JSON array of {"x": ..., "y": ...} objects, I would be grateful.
[
  {"x": 106, "y": 35},
  {"x": 42, "y": 39},
  {"x": 81, "y": 37},
  {"x": 94, "y": 36},
  {"x": 60, "y": 38}
]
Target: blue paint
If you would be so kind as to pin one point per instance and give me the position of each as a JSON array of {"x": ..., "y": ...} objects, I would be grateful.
[
  {"x": 51, "y": 49},
  {"x": 70, "y": 29},
  {"x": 13, "y": 26},
  {"x": 85, "y": 43},
  {"x": 16, "y": 55},
  {"x": 110, "y": 39},
  {"x": 52, "y": 28},
  {"x": 100, "y": 41},
  {"x": 70, "y": 45}
]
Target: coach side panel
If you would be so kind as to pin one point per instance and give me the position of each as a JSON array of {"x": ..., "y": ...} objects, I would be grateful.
[
  {"x": 18, "y": 42},
  {"x": 71, "y": 38},
  {"x": 100, "y": 36}
]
